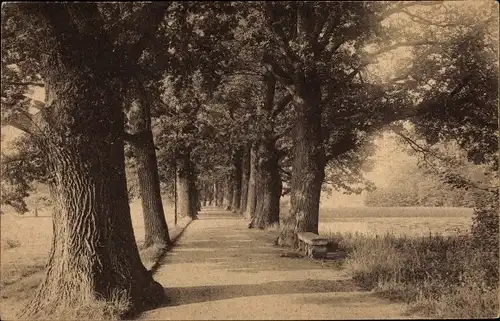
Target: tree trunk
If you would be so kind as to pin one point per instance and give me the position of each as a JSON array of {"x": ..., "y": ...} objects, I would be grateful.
[
  {"x": 94, "y": 256},
  {"x": 269, "y": 182},
  {"x": 308, "y": 167},
  {"x": 156, "y": 229},
  {"x": 195, "y": 196},
  {"x": 186, "y": 188},
  {"x": 251, "y": 198},
  {"x": 245, "y": 168},
  {"x": 216, "y": 194},
  {"x": 228, "y": 194},
  {"x": 155, "y": 224},
  {"x": 210, "y": 194},
  {"x": 237, "y": 163},
  {"x": 220, "y": 193}
]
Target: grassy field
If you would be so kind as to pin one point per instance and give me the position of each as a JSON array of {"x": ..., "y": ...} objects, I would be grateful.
[
  {"x": 422, "y": 256},
  {"x": 408, "y": 221},
  {"x": 25, "y": 246}
]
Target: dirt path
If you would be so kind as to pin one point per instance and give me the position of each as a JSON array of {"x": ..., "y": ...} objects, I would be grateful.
[{"x": 222, "y": 270}]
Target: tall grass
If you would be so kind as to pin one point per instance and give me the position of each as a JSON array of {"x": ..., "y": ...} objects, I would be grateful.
[{"x": 443, "y": 277}]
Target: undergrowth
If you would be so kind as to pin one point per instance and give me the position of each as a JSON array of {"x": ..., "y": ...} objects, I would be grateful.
[{"x": 438, "y": 276}]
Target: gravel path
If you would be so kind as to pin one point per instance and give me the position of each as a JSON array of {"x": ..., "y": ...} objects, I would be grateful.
[{"x": 222, "y": 270}]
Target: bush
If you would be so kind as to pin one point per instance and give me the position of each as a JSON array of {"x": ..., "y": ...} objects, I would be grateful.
[{"x": 438, "y": 276}]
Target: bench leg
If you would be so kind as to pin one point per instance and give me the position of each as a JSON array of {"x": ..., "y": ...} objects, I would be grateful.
[{"x": 319, "y": 252}]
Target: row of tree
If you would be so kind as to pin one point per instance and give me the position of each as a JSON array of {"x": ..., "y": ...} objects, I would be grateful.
[{"x": 242, "y": 101}]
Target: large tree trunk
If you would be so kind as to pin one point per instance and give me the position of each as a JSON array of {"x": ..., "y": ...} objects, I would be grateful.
[
  {"x": 186, "y": 188},
  {"x": 94, "y": 256},
  {"x": 269, "y": 182},
  {"x": 156, "y": 230},
  {"x": 237, "y": 163},
  {"x": 308, "y": 167},
  {"x": 267, "y": 176},
  {"x": 245, "y": 173},
  {"x": 251, "y": 198}
]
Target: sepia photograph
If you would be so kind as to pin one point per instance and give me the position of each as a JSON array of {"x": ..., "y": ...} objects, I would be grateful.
[{"x": 249, "y": 160}]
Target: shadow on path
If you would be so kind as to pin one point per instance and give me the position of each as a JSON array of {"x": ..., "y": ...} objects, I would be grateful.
[
  {"x": 196, "y": 294},
  {"x": 218, "y": 258}
]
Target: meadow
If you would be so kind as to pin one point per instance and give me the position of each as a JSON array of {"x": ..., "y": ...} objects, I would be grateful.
[
  {"x": 25, "y": 246},
  {"x": 408, "y": 221},
  {"x": 425, "y": 257}
]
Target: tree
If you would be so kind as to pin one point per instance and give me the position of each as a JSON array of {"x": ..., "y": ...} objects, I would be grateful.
[
  {"x": 140, "y": 136},
  {"x": 197, "y": 58},
  {"x": 83, "y": 63},
  {"x": 323, "y": 60},
  {"x": 416, "y": 182}
]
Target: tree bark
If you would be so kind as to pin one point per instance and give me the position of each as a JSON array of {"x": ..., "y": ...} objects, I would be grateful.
[
  {"x": 228, "y": 194},
  {"x": 267, "y": 175},
  {"x": 269, "y": 182},
  {"x": 156, "y": 229},
  {"x": 245, "y": 168},
  {"x": 308, "y": 166},
  {"x": 195, "y": 196},
  {"x": 216, "y": 194},
  {"x": 210, "y": 194},
  {"x": 237, "y": 164},
  {"x": 94, "y": 256},
  {"x": 251, "y": 198},
  {"x": 220, "y": 195},
  {"x": 186, "y": 188}
]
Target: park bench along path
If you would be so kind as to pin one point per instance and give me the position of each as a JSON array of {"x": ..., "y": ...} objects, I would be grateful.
[{"x": 220, "y": 269}]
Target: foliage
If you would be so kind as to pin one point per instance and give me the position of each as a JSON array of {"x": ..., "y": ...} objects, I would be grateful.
[
  {"x": 440, "y": 276},
  {"x": 413, "y": 185},
  {"x": 20, "y": 168}
]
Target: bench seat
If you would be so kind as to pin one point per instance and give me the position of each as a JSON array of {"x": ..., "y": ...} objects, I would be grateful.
[{"x": 314, "y": 245}]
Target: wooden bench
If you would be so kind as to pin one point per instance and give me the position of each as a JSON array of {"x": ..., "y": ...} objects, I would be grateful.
[{"x": 314, "y": 245}]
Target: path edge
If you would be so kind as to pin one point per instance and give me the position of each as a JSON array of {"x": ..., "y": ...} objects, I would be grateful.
[{"x": 174, "y": 240}]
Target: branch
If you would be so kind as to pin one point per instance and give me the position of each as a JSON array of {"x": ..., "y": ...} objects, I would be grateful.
[
  {"x": 421, "y": 20},
  {"x": 327, "y": 31},
  {"x": 280, "y": 34},
  {"x": 23, "y": 121},
  {"x": 280, "y": 105},
  {"x": 399, "y": 8},
  {"x": 149, "y": 17},
  {"x": 284, "y": 77},
  {"x": 24, "y": 83},
  {"x": 341, "y": 146},
  {"x": 38, "y": 104},
  {"x": 425, "y": 152},
  {"x": 371, "y": 56},
  {"x": 345, "y": 82}
]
